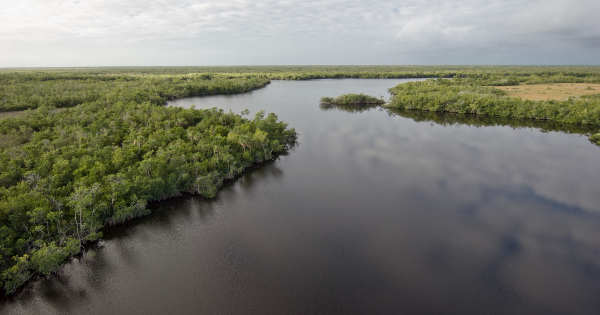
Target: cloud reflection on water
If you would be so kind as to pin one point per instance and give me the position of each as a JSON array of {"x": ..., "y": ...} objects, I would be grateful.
[{"x": 372, "y": 213}]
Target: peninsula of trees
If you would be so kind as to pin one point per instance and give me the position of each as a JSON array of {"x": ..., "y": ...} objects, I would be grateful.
[
  {"x": 478, "y": 96},
  {"x": 67, "y": 173}
]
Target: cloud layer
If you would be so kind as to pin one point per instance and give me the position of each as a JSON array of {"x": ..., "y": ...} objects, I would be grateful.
[{"x": 169, "y": 32}]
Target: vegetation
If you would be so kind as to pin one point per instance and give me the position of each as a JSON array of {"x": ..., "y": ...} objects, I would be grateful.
[
  {"x": 595, "y": 139},
  {"x": 10, "y": 114},
  {"x": 473, "y": 96},
  {"x": 351, "y": 99},
  {"x": 322, "y": 72},
  {"x": 91, "y": 148},
  {"x": 30, "y": 90},
  {"x": 66, "y": 174},
  {"x": 66, "y": 87}
]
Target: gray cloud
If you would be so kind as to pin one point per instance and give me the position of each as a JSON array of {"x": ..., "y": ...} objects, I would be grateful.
[
  {"x": 496, "y": 25},
  {"x": 165, "y": 32}
]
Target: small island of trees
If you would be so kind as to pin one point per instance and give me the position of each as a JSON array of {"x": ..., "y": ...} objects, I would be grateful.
[{"x": 352, "y": 99}]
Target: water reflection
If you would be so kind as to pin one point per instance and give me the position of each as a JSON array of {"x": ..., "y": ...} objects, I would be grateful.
[
  {"x": 376, "y": 212},
  {"x": 349, "y": 108},
  {"x": 450, "y": 119}
]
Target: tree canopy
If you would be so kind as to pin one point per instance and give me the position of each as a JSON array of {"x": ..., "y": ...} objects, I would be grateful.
[{"x": 65, "y": 174}]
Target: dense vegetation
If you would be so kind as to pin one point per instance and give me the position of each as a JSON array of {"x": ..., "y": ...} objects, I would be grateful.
[
  {"x": 322, "y": 72},
  {"x": 473, "y": 96},
  {"x": 66, "y": 87},
  {"x": 29, "y": 90},
  {"x": 595, "y": 139},
  {"x": 66, "y": 174},
  {"x": 93, "y": 148},
  {"x": 351, "y": 99}
]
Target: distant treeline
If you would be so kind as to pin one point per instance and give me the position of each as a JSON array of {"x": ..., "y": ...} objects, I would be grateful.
[
  {"x": 30, "y": 90},
  {"x": 64, "y": 174},
  {"x": 23, "y": 88},
  {"x": 289, "y": 72}
]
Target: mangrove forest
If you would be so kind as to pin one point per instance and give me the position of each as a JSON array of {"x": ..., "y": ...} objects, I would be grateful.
[
  {"x": 351, "y": 99},
  {"x": 86, "y": 148}
]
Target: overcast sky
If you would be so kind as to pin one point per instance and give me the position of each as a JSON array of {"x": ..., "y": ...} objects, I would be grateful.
[{"x": 184, "y": 32}]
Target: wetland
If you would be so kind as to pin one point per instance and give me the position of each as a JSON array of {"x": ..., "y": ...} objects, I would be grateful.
[{"x": 375, "y": 210}]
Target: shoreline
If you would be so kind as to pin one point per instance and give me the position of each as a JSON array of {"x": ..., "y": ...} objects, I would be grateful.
[{"x": 37, "y": 276}]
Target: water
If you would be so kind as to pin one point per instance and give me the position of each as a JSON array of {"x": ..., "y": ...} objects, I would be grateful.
[{"x": 372, "y": 213}]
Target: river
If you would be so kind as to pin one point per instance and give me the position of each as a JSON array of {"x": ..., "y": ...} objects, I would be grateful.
[{"x": 371, "y": 213}]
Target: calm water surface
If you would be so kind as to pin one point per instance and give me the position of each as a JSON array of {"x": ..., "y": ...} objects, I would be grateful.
[{"x": 371, "y": 213}]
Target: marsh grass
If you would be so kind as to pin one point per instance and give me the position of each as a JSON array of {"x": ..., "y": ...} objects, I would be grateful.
[
  {"x": 550, "y": 91},
  {"x": 6, "y": 141},
  {"x": 11, "y": 114}
]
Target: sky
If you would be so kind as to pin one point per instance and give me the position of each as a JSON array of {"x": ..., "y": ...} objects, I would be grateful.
[{"x": 70, "y": 33}]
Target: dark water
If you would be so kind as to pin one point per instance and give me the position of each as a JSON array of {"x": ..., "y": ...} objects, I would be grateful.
[{"x": 373, "y": 213}]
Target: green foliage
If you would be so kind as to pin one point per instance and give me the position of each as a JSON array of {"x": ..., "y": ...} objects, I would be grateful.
[
  {"x": 473, "y": 97},
  {"x": 595, "y": 139},
  {"x": 66, "y": 87},
  {"x": 32, "y": 89},
  {"x": 91, "y": 150},
  {"x": 47, "y": 258},
  {"x": 17, "y": 274},
  {"x": 351, "y": 99},
  {"x": 327, "y": 100},
  {"x": 208, "y": 184},
  {"x": 76, "y": 170}
]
